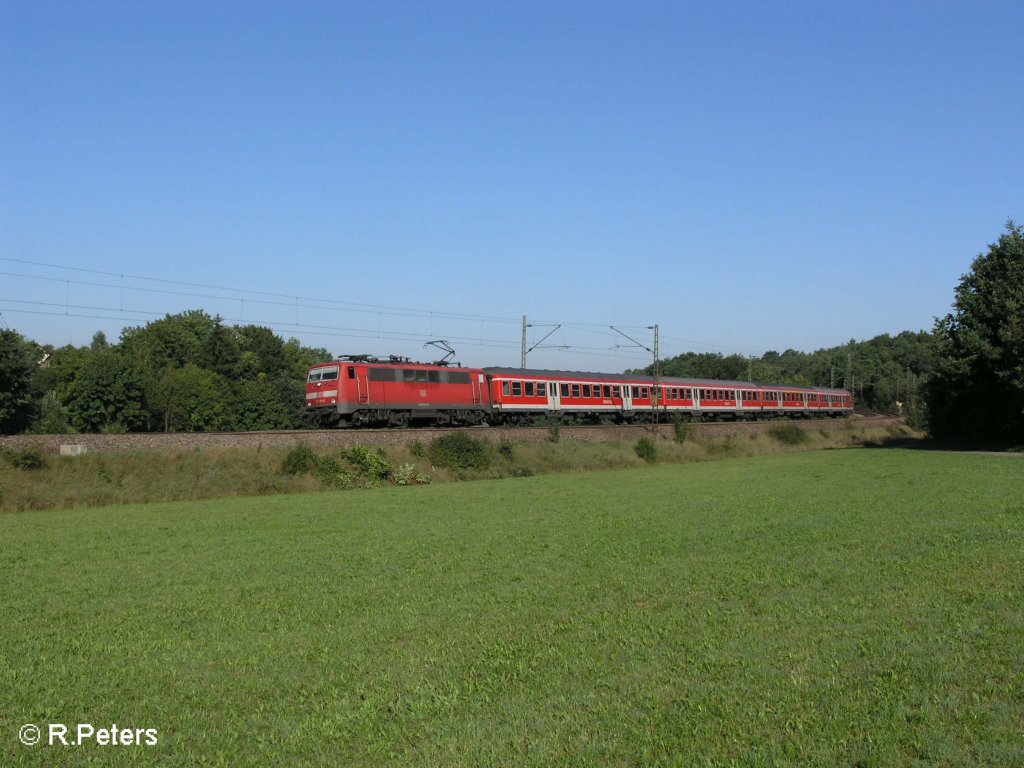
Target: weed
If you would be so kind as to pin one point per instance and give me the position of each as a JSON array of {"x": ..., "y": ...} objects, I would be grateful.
[
  {"x": 505, "y": 449},
  {"x": 554, "y": 432},
  {"x": 681, "y": 428},
  {"x": 788, "y": 434},
  {"x": 406, "y": 474},
  {"x": 300, "y": 460},
  {"x": 373, "y": 464},
  {"x": 329, "y": 472},
  {"x": 459, "y": 451},
  {"x": 27, "y": 458},
  {"x": 646, "y": 450}
]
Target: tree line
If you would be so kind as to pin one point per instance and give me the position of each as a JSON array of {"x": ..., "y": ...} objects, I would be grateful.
[
  {"x": 187, "y": 372},
  {"x": 885, "y": 374},
  {"x": 190, "y": 372}
]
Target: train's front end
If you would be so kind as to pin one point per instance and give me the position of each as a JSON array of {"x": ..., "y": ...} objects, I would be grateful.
[{"x": 324, "y": 394}]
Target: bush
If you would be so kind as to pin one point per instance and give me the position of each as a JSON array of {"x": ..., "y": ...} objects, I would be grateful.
[
  {"x": 417, "y": 449},
  {"x": 406, "y": 474},
  {"x": 329, "y": 472},
  {"x": 788, "y": 434},
  {"x": 682, "y": 429},
  {"x": 300, "y": 461},
  {"x": 554, "y": 433},
  {"x": 372, "y": 464},
  {"x": 506, "y": 450},
  {"x": 646, "y": 450},
  {"x": 459, "y": 451},
  {"x": 27, "y": 458}
]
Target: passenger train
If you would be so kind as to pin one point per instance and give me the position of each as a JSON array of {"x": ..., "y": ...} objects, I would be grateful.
[{"x": 364, "y": 391}]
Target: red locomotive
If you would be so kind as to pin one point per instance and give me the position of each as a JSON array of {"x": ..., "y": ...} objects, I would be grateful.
[{"x": 364, "y": 391}]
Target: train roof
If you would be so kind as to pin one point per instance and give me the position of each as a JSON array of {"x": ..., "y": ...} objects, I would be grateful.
[
  {"x": 634, "y": 377},
  {"x": 629, "y": 377}
]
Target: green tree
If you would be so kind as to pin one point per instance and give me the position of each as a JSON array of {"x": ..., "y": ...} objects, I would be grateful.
[
  {"x": 257, "y": 405},
  {"x": 977, "y": 391},
  {"x": 219, "y": 352},
  {"x": 191, "y": 399},
  {"x": 106, "y": 395},
  {"x": 172, "y": 341},
  {"x": 17, "y": 364},
  {"x": 262, "y": 351}
]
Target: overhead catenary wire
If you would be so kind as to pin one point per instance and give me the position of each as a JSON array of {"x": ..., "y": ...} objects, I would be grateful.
[{"x": 123, "y": 312}]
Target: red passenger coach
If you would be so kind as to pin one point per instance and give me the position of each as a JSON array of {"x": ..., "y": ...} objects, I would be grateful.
[{"x": 364, "y": 391}]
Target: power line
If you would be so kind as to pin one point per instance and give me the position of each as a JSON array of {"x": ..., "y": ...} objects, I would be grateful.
[
  {"x": 320, "y": 330},
  {"x": 207, "y": 286},
  {"x": 296, "y": 303}
]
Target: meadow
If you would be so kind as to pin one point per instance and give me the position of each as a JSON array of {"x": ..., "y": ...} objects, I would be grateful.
[{"x": 858, "y": 607}]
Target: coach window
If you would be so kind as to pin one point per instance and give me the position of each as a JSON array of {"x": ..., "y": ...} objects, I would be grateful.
[
  {"x": 517, "y": 389},
  {"x": 506, "y": 388},
  {"x": 586, "y": 390},
  {"x": 616, "y": 392},
  {"x": 575, "y": 390},
  {"x": 542, "y": 389},
  {"x": 565, "y": 390},
  {"x": 529, "y": 389}
]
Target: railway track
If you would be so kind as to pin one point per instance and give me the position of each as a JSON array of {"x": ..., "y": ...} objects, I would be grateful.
[{"x": 342, "y": 438}]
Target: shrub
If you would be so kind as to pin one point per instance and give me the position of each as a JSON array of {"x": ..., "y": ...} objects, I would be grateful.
[
  {"x": 300, "y": 460},
  {"x": 682, "y": 429},
  {"x": 554, "y": 433},
  {"x": 646, "y": 450},
  {"x": 372, "y": 464},
  {"x": 459, "y": 451},
  {"x": 505, "y": 449},
  {"x": 329, "y": 472},
  {"x": 788, "y": 434},
  {"x": 417, "y": 449},
  {"x": 27, "y": 458},
  {"x": 406, "y": 474}
]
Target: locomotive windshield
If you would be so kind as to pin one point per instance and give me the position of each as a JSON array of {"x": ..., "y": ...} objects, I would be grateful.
[{"x": 327, "y": 373}]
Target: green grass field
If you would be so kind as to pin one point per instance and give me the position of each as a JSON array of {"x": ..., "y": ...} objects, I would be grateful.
[{"x": 854, "y": 608}]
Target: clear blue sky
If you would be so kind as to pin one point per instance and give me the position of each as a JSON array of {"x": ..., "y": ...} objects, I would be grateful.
[{"x": 748, "y": 175}]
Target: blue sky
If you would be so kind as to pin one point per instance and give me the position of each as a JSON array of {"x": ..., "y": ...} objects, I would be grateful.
[{"x": 367, "y": 176}]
